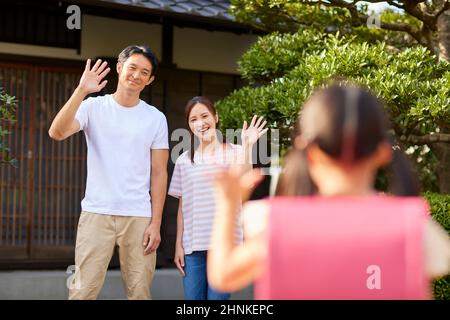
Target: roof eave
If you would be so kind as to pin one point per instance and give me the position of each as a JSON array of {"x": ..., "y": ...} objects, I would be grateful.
[{"x": 145, "y": 14}]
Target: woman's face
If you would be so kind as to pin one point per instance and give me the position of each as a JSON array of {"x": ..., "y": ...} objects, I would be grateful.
[{"x": 202, "y": 122}]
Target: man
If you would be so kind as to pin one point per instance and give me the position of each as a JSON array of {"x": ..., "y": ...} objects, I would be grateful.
[{"x": 127, "y": 157}]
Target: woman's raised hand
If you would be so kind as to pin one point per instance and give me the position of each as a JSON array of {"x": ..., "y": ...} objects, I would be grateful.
[{"x": 254, "y": 131}]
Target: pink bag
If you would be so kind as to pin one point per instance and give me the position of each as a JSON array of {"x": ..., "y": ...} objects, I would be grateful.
[{"x": 345, "y": 248}]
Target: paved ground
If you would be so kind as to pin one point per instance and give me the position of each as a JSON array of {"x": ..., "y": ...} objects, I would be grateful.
[{"x": 51, "y": 285}]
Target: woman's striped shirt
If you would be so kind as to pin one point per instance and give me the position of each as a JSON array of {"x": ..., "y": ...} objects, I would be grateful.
[{"x": 193, "y": 182}]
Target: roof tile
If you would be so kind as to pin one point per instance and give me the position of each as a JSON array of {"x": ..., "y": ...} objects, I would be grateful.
[{"x": 208, "y": 8}]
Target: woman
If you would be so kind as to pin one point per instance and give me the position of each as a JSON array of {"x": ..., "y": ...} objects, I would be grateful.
[
  {"x": 192, "y": 185},
  {"x": 340, "y": 141}
]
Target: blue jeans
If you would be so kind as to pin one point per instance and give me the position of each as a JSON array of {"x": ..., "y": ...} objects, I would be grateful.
[{"x": 195, "y": 282}]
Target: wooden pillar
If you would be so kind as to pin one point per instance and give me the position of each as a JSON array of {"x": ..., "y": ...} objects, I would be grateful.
[{"x": 167, "y": 44}]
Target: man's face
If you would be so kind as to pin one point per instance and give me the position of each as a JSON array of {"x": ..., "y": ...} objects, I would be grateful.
[{"x": 135, "y": 73}]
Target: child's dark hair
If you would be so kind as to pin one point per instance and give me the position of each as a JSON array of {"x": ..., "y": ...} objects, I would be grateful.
[
  {"x": 347, "y": 123},
  {"x": 144, "y": 50}
]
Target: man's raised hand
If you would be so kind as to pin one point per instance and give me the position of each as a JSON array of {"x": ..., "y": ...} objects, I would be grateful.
[{"x": 91, "y": 80}]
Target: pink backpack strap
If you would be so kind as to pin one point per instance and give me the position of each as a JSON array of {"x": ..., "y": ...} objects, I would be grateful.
[{"x": 345, "y": 248}]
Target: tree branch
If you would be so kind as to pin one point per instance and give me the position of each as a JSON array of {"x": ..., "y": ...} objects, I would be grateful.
[
  {"x": 422, "y": 35},
  {"x": 445, "y": 7},
  {"x": 412, "y": 8},
  {"x": 280, "y": 12},
  {"x": 358, "y": 20},
  {"x": 426, "y": 139},
  {"x": 403, "y": 27},
  {"x": 395, "y": 4}
]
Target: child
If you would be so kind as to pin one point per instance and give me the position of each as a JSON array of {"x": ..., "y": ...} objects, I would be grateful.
[{"x": 340, "y": 142}]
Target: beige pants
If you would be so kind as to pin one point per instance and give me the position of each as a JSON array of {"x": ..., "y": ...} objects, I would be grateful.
[{"x": 97, "y": 236}]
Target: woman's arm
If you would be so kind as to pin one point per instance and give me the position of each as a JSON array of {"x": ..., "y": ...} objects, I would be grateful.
[
  {"x": 230, "y": 266},
  {"x": 179, "y": 250}
]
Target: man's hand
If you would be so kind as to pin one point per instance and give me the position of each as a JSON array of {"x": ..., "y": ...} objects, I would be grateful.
[
  {"x": 91, "y": 80},
  {"x": 152, "y": 238}
]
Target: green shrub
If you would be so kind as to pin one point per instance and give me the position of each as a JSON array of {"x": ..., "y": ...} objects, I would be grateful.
[
  {"x": 414, "y": 86},
  {"x": 283, "y": 69},
  {"x": 440, "y": 211},
  {"x": 276, "y": 54}
]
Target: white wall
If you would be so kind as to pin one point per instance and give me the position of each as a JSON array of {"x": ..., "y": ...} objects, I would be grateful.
[
  {"x": 209, "y": 50},
  {"x": 107, "y": 37},
  {"x": 193, "y": 48}
]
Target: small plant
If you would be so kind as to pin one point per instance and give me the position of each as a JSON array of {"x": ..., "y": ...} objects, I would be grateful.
[{"x": 7, "y": 117}]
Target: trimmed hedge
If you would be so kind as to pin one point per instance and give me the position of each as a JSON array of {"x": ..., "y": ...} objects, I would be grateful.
[
  {"x": 283, "y": 70},
  {"x": 440, "y": 211}
]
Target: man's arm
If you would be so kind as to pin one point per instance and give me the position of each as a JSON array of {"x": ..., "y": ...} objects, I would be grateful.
[
  {"x": 158, "y": 189},
  {"x": 65, "y": 124}
]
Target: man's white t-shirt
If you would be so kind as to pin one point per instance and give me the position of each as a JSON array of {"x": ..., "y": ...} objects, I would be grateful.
[{"x": 119, "y": 142}]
